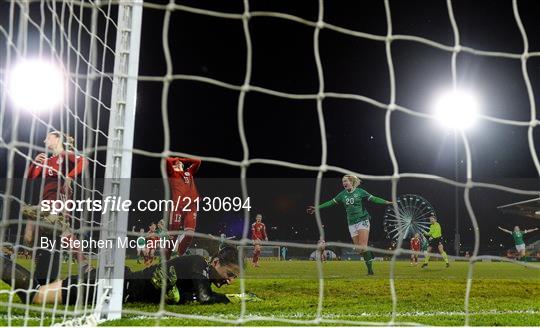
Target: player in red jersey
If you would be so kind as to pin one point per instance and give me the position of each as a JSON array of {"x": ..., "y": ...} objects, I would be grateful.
[
  {"x": 258, "y": 233},
  {"x": 58, "y": 172},
  {"x": 181, "y": 172},
  {"x": 415, "y": 247}
]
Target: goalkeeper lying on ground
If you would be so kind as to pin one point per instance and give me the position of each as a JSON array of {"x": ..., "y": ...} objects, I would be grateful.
[{"x": 187, "y": 279}]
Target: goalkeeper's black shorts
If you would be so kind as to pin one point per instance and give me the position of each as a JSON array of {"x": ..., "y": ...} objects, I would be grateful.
[{"x": 435, "y": 242}]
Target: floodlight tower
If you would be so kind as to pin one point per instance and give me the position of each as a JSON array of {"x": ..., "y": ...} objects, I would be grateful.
[{"x": 456, "y": 110}]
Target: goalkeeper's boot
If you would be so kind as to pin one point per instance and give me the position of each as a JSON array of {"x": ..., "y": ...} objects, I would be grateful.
[
  {"x": 21, "y": 278},
  {"x": 424, "y": 265},
  {"x": 247, "y": 297},
  {"x": 370, "y": 272},
  {"x": 447, "y": 264}
]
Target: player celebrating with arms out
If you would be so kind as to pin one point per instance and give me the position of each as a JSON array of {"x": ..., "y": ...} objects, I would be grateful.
[
  {"x": 518, "y": 239},
  {"x": 181, "y": 172},
  {"x": 358, "y": 218},
  {"x": 415, "y": 247},
  {"x": 258, "y": 233},
  {"x": 434, "y": 236}
]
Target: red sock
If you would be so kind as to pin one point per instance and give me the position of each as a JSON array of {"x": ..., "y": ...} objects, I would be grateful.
[{"x": 256, "y": 256}]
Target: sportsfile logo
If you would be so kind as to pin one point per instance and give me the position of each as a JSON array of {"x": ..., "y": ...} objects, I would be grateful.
[
  {"x": 112, "y": 203},
  {"x": 109, "y": 204}
]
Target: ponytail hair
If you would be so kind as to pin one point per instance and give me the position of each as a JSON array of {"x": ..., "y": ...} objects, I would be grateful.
[{"x": 353, "y": 179}]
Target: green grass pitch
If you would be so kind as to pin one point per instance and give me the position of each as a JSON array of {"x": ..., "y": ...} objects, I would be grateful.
[{"x": 502, "y": 294}]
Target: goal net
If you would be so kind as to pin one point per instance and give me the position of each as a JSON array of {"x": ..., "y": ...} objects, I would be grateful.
[
  {"x": 72, "y": 149},
  {"x": 267, "y": 252},
  {"x": 96, "y": 45}
]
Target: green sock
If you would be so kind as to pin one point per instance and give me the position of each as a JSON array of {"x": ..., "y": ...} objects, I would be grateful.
[
  {"x": 368, "y": 257},
  {"x": 445, "y": 257}
]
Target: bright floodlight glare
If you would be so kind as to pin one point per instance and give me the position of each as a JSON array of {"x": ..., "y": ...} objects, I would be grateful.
[
  {"x": 36, "y": 85},
  {"x": 456, "y": 109}
]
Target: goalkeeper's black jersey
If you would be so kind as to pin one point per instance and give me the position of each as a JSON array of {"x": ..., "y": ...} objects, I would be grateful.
[{"x": 193, "y": 281}]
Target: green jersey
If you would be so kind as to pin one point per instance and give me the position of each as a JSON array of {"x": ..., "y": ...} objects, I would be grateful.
[
  {"x": 141, "y": 241},
  {"x": 435, "y": 230},
  {"x": 425, "y": 244},
  {"x": 162, "y": 233},
  {"x": 518, "y": 237},
  {"x": 354, "y": 204}
]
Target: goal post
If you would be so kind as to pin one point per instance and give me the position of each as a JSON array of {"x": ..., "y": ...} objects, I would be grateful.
[
  {"x": 114, "y": 223},
  {"x": 64, "y": 30}
]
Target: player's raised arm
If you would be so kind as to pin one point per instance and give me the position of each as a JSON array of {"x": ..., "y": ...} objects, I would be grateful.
[
  {"x": 503, "y": 229},
  {"x": 330, "y": 203},
  {"x": 530, "y": 230},
  {"x": 378, "y": 200},
  {"x": 171, "y": 162},
  {"x": 192, "y": 164},
  {"x": 34, "y": 170}
]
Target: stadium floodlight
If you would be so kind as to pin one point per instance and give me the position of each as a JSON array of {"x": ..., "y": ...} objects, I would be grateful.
[
  {"x": 36, "y": 85},
  {"x": 456, "y": 109}
]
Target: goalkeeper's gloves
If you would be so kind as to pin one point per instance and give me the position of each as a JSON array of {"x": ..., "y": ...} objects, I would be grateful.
[
  {"x": 172, "y": 294},
  {"x": 248, "y": 297},
  {"x": 159, "y": 278}
]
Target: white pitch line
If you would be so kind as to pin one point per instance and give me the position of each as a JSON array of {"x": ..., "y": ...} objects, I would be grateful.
[{"x": 300, "y": 315}]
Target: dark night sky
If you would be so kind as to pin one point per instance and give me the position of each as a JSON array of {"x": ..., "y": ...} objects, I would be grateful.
[
  {"x": 203, "y": 117},
  {"x": 288, "y": 130}
]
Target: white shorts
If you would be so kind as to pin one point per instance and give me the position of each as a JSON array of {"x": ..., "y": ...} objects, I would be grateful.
[
  {"x": 520, "y": 248},
  {"x": 362, "y": 225},
  {"x": 139, "y": 249}
]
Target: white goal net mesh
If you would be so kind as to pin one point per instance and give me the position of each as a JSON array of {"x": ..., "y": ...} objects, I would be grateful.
[{"x": 80, "y": 36}]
